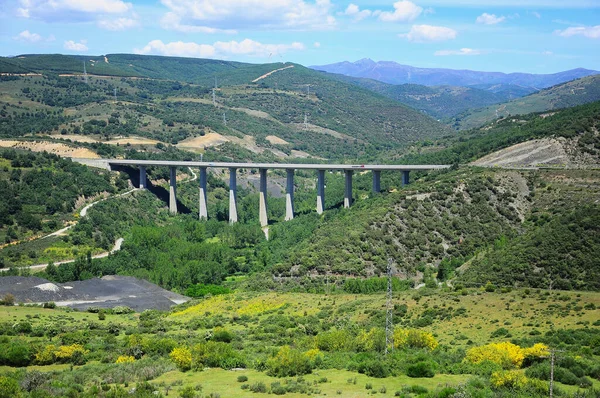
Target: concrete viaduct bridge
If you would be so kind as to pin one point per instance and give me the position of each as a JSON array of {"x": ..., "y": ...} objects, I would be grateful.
[{"x": 262, "y": 168}]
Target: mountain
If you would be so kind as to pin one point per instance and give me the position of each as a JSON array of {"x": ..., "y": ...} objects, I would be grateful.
[
  {"x": 394, "y": 73},
  {"x": 572, "y": 93},
  {"x": 440, "y": 102},
  {"x": 278, "y": 109}
]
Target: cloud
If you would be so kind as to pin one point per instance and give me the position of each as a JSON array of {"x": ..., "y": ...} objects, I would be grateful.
[
  {"x": 354, "y": 11},
  {"x": 27, "y": 36},
  {"x": 536, "y": 14},
  {"x": 70, "y": 10},
  {"x": 591, "y": 32},
  {"x": 72, "y": 46},
  {"x": 462, "y": 51},
  {"x": 425, "y": 33},
  {"x": 489, "y": 19},
  {"x": 317, "y": 44},
  {"x": 118, "y": 24},
  {"x": 218, "y": 49},
  {"x": 404, "y": 11},
  {"x": 211, "y": 16}
]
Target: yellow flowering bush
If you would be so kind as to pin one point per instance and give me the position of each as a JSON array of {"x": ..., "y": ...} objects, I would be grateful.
[
  {"x": 538, "y": 350},
  {"x": 506, "y": 354},
  {"x": 414, "y": 338},
  {"x": 182, "y": 356},
  {"x": 509, "y": 379},
  {"x": 45, "y": 356},
  {"x": 125, "y": 359},
  {"x": 66, "y": 352},
  {"x": 313, "y": 354},
  {"x": 289, "y": 362}
]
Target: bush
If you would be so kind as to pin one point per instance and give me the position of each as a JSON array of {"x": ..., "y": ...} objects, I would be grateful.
[
  {"x": 9, "y": 388},
  {"x": 289, "y": 362},
  {"x": 216, "y": 355},
  {"x": 421, "y": 369},
  {"x": 16, "y": 353},
  {"x": 222, "y": 335},
  {"x": 50, "y": 304},
  {"x": 258, "y": 387},
  {"x": 242, "y": 378},
  {"x": 374, "y": 368},
  {"x": 8, "y": 300},
  {"x": 182, "y": 357}
]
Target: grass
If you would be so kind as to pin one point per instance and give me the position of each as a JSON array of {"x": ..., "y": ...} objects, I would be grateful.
[{"x": 225, "y": 382}]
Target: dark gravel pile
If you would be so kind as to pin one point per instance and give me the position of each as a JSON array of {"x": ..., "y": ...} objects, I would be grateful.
[{"x": 107, "y": 292}]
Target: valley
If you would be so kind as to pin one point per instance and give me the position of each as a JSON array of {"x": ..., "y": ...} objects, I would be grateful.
[{"x": 492, "y": 260}]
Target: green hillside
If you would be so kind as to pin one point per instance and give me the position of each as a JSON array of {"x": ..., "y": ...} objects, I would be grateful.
[
  {"x": 174, "y": 101},
  {"x": 439, "y": 102},
  {"x": 576, "y": 92}
]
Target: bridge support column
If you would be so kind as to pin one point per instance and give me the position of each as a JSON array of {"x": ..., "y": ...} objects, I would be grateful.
[
  {"x": 405, "y": 177},
  {"x": 289, "y": 195},
  {"x": 376, "y": 181},
  {"x": 142, "y": 177},
  {"x": 173, "y": 191},
  {"x": 233, "y": 218},
  {"x": 348, "y": 190},
  {"x": 203, "y": 203},
  {"x": 320, "y": 191},
  {"x": 262, "y": 210}
]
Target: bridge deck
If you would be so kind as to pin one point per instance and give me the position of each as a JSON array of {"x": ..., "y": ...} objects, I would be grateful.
[{"x": 297, "y": 166}]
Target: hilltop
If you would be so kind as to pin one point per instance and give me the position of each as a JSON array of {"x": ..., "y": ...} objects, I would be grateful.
[{"x": 394, "y": 73}]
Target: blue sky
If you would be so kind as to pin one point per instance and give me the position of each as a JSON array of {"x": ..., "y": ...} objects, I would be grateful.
[{"x": 537, "y": 36}]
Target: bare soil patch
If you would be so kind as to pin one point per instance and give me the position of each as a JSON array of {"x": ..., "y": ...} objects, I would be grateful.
[
  {"x": 51, "y": 147},
  {"x": 210, "y": 139},
  {"x": 273, "y": 139}
]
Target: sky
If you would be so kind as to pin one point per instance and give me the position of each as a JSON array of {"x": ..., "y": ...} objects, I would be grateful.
[{"x": 534, "y": 36}]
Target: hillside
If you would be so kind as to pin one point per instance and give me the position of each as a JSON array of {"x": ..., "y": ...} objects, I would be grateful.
[
  {"x": 576, "y": 92},
  {"x": 293, "y": 111},
  {"x": 394, "y": 73},
  {"x": 439, "y": 102}
]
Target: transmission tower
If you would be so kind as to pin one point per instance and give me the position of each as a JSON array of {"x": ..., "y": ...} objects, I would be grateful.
[
  {"x": 224, "y": 119},
  {"x": 305, "y": 121},
  {"x": 85, "y": 76},
  {"x": 389, "y": 323}
]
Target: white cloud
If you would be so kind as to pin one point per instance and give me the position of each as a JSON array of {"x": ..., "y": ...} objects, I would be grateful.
[
  {"x": 354, "y": 11},
  {"x": 424, "y": 33},
  {"x": 404, "y": 11},
  {"x": 489, "y": 19},
  {"x": 118, "y": 24},
  {"x": 462, "y": 51},
  {"x": 209, "y": 16},
  {"x": 70, "y": 10},
  {"x": 536, "y": 14},
  {"x": 217, "y": 49},
  {"x": 591, "y": 32},
  {"x": 72, "y": 46},
  {"x": 27, "y": 36},
  {"x": 317, "y": 44}
]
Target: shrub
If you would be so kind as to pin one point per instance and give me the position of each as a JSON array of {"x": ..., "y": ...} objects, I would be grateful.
[
  {"x": 375, "y": 368},
  {"x": 289, "y": 362},
  {"x": 413, "y": 338},
  {"x": 125, "y": 359},
  {"x": 258, "y": 387},
  {"x": 49, "y": 304},
  {"x": 182, "y": 357},
  {"x": 9, "y": 388},
  {"x": 421, "y": 369},
  {"x": 223, "y": 335},
  {"x": 8, "y": 300},
  {"x": 216, "y": 354},
  {"x": 122, "y": 309},
  {"x": 507, "y": 355},
  {"x": 242, "y": 378},
  {"x": 15, "y": 353},
  {"x": 509, "y": 379}
]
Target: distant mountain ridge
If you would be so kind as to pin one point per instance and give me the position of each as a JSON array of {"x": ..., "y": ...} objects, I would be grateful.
[{"x": 395, "y": 73}]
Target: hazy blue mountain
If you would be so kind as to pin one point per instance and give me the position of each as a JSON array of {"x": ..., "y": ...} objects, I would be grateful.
[{"x": 395, "y": 73}]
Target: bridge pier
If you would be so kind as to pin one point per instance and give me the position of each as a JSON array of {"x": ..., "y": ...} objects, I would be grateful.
[
  {"x": 203, "y": 213},
  {"x": 173, "y": 191},
  {"x": 262, "y": 210},
  {"x": 405, "y": 177},
  {"x": 142, "y": 177},
  {"x": 289, "y": 195},
  {"x": 376, "y": 181},
  {"x": 348, "y": 190},
  {"x": 320, "y": 191},
  {"x": 233, "y": 218}
]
